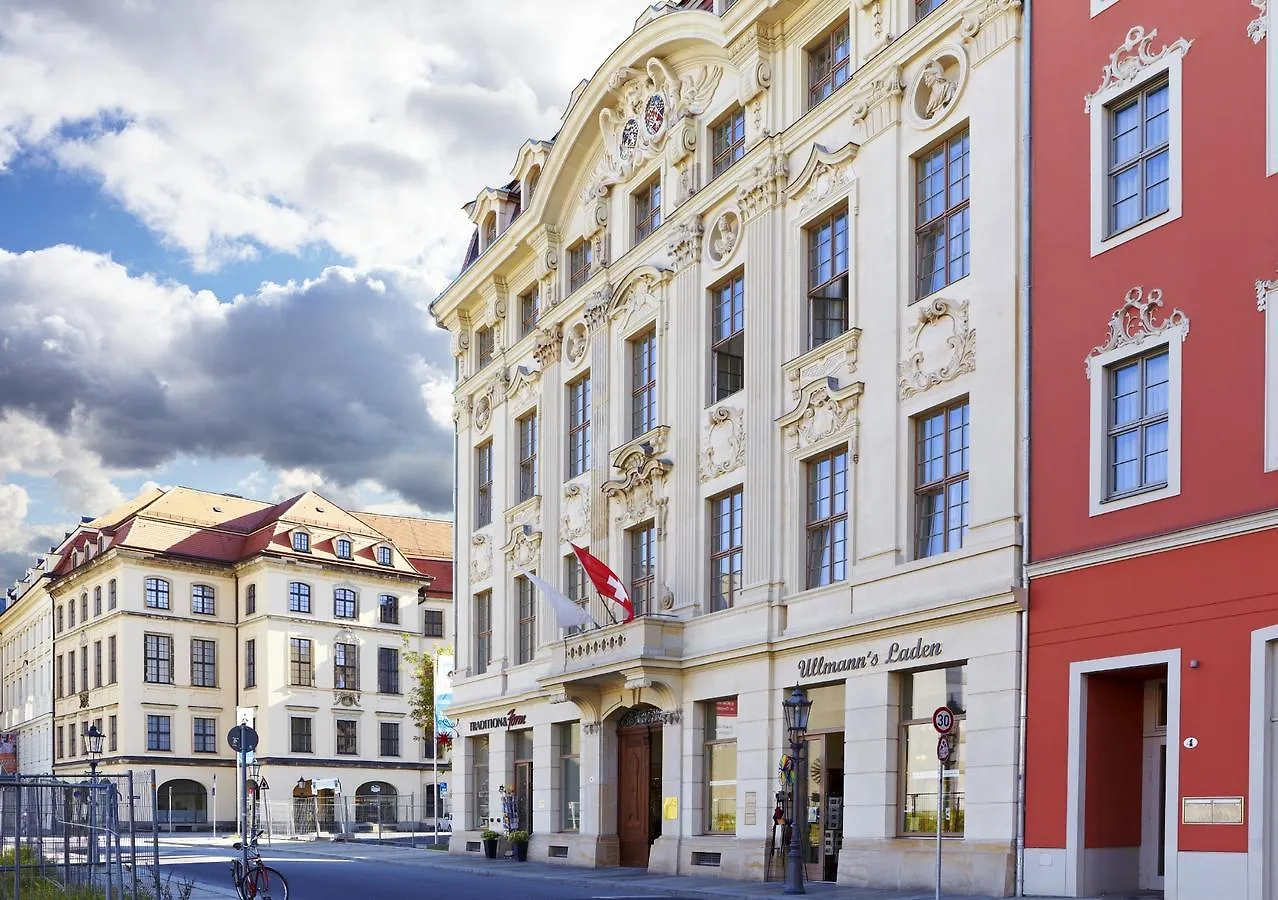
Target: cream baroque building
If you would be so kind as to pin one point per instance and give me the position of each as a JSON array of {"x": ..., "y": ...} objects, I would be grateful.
[
  {"x": 26, "y": 669},
  {"x": 723, "y": 332},
  {"x": 185, "y": 611}
]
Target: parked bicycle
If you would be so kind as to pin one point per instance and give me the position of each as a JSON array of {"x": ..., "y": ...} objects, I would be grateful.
[{"x": 260, "y": 881}]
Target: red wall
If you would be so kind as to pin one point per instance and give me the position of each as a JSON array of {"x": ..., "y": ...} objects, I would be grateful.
[
  {"x": 1206, "y": 263},
  {"x": 1206, "y": 600}
]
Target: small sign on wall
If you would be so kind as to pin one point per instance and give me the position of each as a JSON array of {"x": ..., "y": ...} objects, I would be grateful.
[
  {"x": 751, "y": 801},
  {"x": 670, "y": 808},
  {"x": 1212, "y": 811}
]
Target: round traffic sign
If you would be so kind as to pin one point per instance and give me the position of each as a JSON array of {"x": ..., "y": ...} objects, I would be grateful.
[
  {"x": 944, "y": 748},
  {"x": 242, "y": 739},
  {"x": 943, "y": 720}
]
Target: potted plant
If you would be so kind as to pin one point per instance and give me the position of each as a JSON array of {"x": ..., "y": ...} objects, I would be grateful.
[
  {"x": 490, "y": 838},
  {"x": 519, "y": 842}
]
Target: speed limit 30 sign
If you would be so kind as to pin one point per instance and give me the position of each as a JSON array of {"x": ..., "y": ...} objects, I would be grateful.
[{"x": 943, "y": 720}]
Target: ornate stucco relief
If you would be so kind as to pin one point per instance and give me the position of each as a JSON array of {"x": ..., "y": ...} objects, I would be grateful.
[
  {"x": 1133, "y": 323},
  {"x": 638, "y": 493},
  {"x": 523, "y": 385},
  {"x": 523, "y": 547},
  {"x": 936, "y": 89},
  {"x": 685, "y": 242},
  {"x": 942, "y": 347},
  {"x": 723, "y": 239},
  {"x": 824, "y": 410},
  {"x": 576, "y": 343},
  {"x": 575, "y": 523},
  {"x": 1129, "y": 62},
  {"x": 1265, "y": 288},
  {"x": 547, "y": 345},
  {"x": 834, "y": 359},
  {"x": 751, "y": 53},
  {"x": 481, "y": 558},
  {"x": 763, "y": 186},
  {"x": 1258, "y": 28},
  {"x": 526, "y": 513},
  {"x": 723, "y": 442},
  {"x": 989, "y": 24},
  {"x": 640, "y": 297},
  {"x": 827, "y": 174},
  {"x": 878, "y": 106},
  {"x": 876, "y": 12}
]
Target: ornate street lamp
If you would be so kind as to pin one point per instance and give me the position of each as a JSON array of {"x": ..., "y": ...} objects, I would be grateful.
[
  {"x": 798, "y": 709},
  {"x": 93, "y": 746}
]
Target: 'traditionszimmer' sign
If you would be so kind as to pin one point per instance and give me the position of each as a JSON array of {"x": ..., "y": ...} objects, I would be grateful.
[
  {"x": 512, "y": 719},
  {"x": 819, "y": 665}
]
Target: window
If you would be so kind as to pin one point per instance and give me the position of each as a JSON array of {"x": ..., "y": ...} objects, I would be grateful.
[
  {"x": 828, "y": 65},
  {"x": 725, "y": 549},
  {"x": 250, "y": 600},
  {"x": 84, "y": 669},
  {"x": 647, "y": 209},
  {"x": 1139, "y": 157},
  {"x": 342, "y": 548},
  {"x": 387, "y": 670},
  {"x": 579, "y": 262},
  {"x": 384, "y": 556},
  {"x": 113, "y": 733},
  {"x": 490, "y": 230},
  {"x": 923, "y": 7},
  {"x": 568, "y": 739},
  {"x": 204, "y": 735},
  {"x": 157, "y": 593},
  {"x": 388, "y": 609},
  {"x": 433, "y": 623},
  {"x": 84, "y": 607},
  {"x": 299, "y": 597},
  {"x": 346, "y": 667},
  {"x": 250, "y": 663},
  {"x": 345, "y": 603},
  {"x": 483, "y": 631},
  {"x": 579, "y": 426},
  {"x": 301, "y": 739},
  {"x": 527, "y": 610},
  {"x": 484, "y": 346},
  {"x": 575, "y": 585},
  {"x": 643, "y": 384},
  {"x": 112, "y": 672},
  {"x": 1137, "y": 427},
  {"x": 158, "y": 733},
  {"x": 483, "y": 484},
  {"x": 728, "y": 336},
  {"x": 942, "y": 446},
  {"x": 70, "y": 613},
  {"x": 943, "y": 225},
  {"x": 827, "y": 518},
  {"x": 828, "y": 278},
  {"x": 202, "y": 600},
  {"x": 529, "y": 311},
  {"x": 97, "y": 600},
  {"x": 111, "y": 598},
  {"x": 721, "y": 765},
  {"x": 300, "y": 666},
  {"x": 528, "y": 456},
  {"x": 203, "y": 663},
  {"x": 347, "y": 737},
  {"x": 158, "y": 658},
  {"x": 390, "y": 738},
  {"x": 921, "y": 694},
  {"x": 58, "y": 682},
  {"x": 727, "y": 141},
  {"x": 301, "y": 542},
  {"x": 58, "y": 629},
  {"x": 643, "y": 566},
  {"x": 97, "y": 664},
  {"x": 479, "y": 778},
  {"x": 59, "y": 748},
  {"x": 534, "y": 176},
  {"x": 70, "y": 673}
]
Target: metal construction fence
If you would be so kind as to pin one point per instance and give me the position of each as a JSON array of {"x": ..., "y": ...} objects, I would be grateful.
[
  {"x": 91, "y": 838},
  {"x": 361, "y": 817}
]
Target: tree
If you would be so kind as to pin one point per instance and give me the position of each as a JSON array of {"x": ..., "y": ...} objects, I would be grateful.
[{"x": 421, "y": 695}]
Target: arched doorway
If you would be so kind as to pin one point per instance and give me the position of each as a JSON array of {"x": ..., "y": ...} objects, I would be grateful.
[
  {"x": 639, "y": 782},
  {"x": 182, "y": 803},
  {"x": 375, "y": 801}
]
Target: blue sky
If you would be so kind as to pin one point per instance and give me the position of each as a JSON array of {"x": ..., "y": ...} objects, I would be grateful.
[{"x": 220, "y": 228}]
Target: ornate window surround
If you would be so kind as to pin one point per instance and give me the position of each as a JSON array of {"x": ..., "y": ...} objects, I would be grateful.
[
  {"x": 1132, "y": 65},
  {"x": 1133, "y": 332}
]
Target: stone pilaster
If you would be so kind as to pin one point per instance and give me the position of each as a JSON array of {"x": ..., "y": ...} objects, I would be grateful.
[{"x": 598, "y": 318}]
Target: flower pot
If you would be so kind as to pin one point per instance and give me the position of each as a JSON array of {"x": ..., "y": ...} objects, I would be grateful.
[
  {"x": 490, "y": 848},
  {"x": 521, "y": 851}
]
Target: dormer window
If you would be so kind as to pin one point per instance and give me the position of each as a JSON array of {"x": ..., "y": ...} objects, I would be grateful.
[
  {"x": 530, "y": 186},
  {"x": 483, "y": 346},
  {"x": 342, "y": 548},
  {"x": 490, "y": 230},
  {"x": 301, "y": 542},
  {"x": 384, "y": 556}
]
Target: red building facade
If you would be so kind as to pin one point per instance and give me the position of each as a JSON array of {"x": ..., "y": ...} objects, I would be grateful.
[{"x": 1153, "y": 726}]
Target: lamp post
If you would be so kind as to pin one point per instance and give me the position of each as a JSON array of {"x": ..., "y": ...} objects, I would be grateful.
[
  {"x": 797, "y": 710},
  {"x": 254, "y": 771},
  {"x": 93, "y": 747}
]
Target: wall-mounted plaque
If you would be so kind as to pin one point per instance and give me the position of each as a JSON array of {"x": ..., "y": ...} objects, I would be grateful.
[{"x": 1212, "y": 811}]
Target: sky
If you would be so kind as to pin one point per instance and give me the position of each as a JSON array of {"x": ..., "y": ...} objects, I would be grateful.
[{"x": 221, "y": 225}]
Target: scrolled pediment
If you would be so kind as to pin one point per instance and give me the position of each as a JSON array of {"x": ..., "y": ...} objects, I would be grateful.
[
  {"x": 824, "y": 409},
  {"x": 824, "y": 174}
]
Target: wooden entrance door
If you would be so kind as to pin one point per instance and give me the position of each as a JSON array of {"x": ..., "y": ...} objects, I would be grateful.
[{"x": 633, "y": 760}]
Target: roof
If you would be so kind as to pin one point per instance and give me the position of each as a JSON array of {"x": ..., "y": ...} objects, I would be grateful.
[{"x": 415, "y": 538}]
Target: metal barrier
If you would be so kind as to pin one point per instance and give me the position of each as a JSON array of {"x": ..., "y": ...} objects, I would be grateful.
[{"x": 359, "y": 817}]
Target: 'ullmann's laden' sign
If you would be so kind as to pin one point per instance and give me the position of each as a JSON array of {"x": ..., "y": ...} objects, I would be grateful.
[
  {"x": 819, "y": 665},
  {"x": 512, "y": 719}
]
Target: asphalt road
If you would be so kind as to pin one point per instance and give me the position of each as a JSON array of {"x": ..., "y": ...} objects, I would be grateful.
[{"x": 314, "y": 878}]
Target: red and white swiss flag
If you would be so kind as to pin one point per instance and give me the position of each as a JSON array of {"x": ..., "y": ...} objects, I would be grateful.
[{"x": 605, "y": 581}]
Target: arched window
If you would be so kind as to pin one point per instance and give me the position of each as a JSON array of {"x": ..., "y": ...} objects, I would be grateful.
[
  {"x": 111, "y": 598},
  {"x": 530, "y": 185},
  {"x": 84, "y": 607},
  {"x": 202, "y": 599},
  {"x": 345, "y": 603},
  {"x": 71, "y": 613},
  {"x": 157, "y": 593},
  {"x": 299, "y": 597},
  {"x": 490, "y": 230},
  {"x": 301, "y": 542},
  {"x": 97, "y": 600},
  {"x": 343, "y": 548},
  {"x": 384, "y": 556}
]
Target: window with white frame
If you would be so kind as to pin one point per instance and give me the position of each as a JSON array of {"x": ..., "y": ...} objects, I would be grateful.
[
  {"x": 529, "y": 311},
  {"x": 484, "y": 346},
  {"x": 579, "y": 262},
  {"x": 647, "y": 205},
  {"x": 827, "y": 517},
  {"x": 727, "y": 140},
  {"x": 942, "y": 225},
  {"x": 157, "y": 596},
  {"x": 827, "y": 241},
  {"x": 483, "y": 631},
  {"x": 829, "y": 63},
  {"x": 527, "y": 623},
  {"x": 528, "y": 456},
  {"x": 579, "y": 426},
  {"x": 643, "y": 566},
  {"x": 727, "y": 336},
  {"x": 643, "y": 383},
  {"x": 726, "y": 538},
  {"x": 342, "y": 548},
  {"x": 202, "y": 600},
  {"x": 483, "y": 484},
  {"x": 384, "y": 555},
  {"x": 301, "y": 542},
  {"x": 942, "y": 463},
  {"x": 1136, "y": 148}
]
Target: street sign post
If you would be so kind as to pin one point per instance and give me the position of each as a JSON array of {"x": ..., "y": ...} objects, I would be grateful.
[
  {"x": 943, "y": 722},
  {"x": 243, "y": 740}
]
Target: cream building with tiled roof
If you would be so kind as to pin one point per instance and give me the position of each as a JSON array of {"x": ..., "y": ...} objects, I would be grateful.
[
  {"x": 181, "y": 608},
  {"x": 723, "y": 331},
  {"x": 26, "y": 671}
]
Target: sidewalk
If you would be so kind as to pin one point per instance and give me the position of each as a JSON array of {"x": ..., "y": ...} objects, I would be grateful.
[{"x": 609, "y": 881}]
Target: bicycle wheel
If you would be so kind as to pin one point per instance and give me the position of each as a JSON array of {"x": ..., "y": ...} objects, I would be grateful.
[
  {"x": 266, "y": 883},
  {"x": 237, "y": 876}
]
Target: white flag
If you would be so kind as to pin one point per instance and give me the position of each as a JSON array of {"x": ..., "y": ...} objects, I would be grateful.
[{"x": 567, "y": 613}]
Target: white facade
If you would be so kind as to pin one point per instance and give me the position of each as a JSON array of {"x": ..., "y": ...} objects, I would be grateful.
[
  {"x": 26, "y": 672},
  {"x": 860, "y": 396}
]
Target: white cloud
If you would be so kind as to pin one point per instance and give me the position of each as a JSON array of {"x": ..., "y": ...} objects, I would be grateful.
[{"x": 239, "y": 125}]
